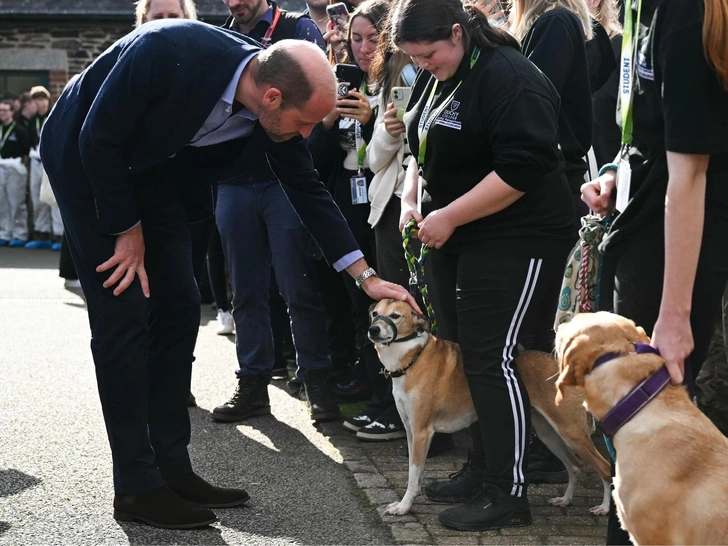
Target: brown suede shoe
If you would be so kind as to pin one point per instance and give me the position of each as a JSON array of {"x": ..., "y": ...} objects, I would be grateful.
[
  {"x": 196, "y": 490},
  {"x": 163, "y": 508}
]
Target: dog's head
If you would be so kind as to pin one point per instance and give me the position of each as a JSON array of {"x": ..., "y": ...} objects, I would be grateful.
[
  {"x": 392, "y": 319},
  {"x": 582, "y": 341}
]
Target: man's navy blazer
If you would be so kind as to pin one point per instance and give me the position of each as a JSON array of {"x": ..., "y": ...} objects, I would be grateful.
[{"x": 140, "y": 103}]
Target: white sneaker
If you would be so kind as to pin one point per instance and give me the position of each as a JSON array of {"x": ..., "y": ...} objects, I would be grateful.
[
  {"x": 225, "y": 323},
  {"x": 72, "y": 283}
]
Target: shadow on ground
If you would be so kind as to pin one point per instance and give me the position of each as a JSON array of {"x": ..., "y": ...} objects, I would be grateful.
[{"x": 13, "y": 482}]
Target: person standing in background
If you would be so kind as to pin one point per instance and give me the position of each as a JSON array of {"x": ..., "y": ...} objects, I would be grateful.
[
  {"x": 14, "y": 148},
  {"x": 153, "y": 10}
]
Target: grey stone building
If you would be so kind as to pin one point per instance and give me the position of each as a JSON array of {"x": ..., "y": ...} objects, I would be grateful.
[{"x": 44, "y": 42}]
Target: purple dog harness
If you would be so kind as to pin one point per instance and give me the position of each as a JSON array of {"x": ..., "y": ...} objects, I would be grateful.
[{"x": 638, "y": 397}]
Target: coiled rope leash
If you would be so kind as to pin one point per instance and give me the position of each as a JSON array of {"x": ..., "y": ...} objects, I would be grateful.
[{"x": 416, "y": 268}]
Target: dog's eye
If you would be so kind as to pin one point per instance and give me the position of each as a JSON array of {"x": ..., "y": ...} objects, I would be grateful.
[
  {"x": 375, "y": 314},
  {"x": 395, "y": 316}
]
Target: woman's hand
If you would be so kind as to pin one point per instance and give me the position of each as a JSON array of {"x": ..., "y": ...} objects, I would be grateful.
[
  {"x": 357, "y": 108},
  {"x": 330, "y": 119},
  {"x": 436, "y": 228},
  {"x": 673, "y": 336},
  {"x": 128, "y": 259},
  {"x": 491, "y": 9},
  {"x": 335, "y": 38},
  {"x": 599, "y": 193},
  {"x": 392, "y": 124},
  {"x": 408, "y": 211}
]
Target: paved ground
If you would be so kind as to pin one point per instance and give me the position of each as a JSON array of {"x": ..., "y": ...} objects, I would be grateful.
[{"x": 308, "y": 486}]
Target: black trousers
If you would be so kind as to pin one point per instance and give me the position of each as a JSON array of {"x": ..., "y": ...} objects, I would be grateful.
[
  {"x": 142, "y": 348},
  {"x": 637, "y": 294},
  {"x": 489, "y": 304}
]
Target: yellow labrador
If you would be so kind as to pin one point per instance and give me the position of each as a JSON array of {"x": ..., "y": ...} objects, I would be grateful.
[
  {"x": 432, "y": 395},
  {"x": 671, "y": 484}
]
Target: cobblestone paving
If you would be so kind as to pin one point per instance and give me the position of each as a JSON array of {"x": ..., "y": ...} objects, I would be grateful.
[{"x": 380, "y": 470}]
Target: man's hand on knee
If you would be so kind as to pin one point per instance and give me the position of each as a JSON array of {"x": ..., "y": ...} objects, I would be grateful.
[{"x": 128, "y": 259}]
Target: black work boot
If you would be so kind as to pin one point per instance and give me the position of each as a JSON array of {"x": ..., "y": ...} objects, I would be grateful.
[
  {"x": 544, "y": 466},
  {"x": 491, "y": 508},
  {"x": 250, "y": 398},
  {"x": 322, "y": 402},
  {"x": 459, "y": 487}
]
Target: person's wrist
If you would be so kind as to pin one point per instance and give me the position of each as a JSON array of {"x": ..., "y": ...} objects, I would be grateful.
[
  {"x": 364, "y": 276},
  {"x": 607, "y": 168}
]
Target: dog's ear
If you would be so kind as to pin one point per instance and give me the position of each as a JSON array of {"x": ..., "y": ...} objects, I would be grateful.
[
  {"x": 642, "y": 336},
  {"x": 421, "y": 321},
  {"x": 576, "y": 361}
]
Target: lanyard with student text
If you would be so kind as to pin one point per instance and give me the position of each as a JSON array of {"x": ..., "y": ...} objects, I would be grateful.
[
  {"x": 630, "y": 41},
  {"x": 423, "y": 127},
  {"x": 4, "y": 137},
  {"x": 361, "y": 145},
  {"x": 265, "y": 40}
]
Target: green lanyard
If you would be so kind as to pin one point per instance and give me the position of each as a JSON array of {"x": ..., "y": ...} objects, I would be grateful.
[
  {"x": 423, "y": 127},
  {"x": 361, "y": 145},
  {"x": 6, "y": 136},
  {"x": 630, "y": 40}
]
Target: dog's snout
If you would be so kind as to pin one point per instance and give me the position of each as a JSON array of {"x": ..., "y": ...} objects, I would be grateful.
[{"x": 374, "y": 330}]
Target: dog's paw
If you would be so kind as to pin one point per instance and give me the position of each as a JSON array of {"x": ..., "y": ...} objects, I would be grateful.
[
  {"x": 560, "y": 501},
  {"x": 397, "y": 509},
  {"x": 600, "y": 510}
]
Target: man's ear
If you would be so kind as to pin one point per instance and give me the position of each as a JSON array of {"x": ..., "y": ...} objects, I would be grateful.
[
  {"x": 272, "y": 98},
  {"x": 576, "y": 362},
  {"x": 422, "y": 322}
]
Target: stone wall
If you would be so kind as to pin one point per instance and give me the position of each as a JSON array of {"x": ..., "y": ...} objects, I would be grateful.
[{"x": 42, "y": 47}]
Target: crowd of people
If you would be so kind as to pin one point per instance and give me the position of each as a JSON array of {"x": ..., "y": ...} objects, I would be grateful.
[
  {"x": 509, "y": 136},
  {"x": 25, "y": 219}
]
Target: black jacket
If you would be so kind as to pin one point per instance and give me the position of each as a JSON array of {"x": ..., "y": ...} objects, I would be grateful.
[{"x": 140, "y": 103}]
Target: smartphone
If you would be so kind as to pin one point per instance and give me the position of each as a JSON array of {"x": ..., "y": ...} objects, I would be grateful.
[
  {"x": 349, "y": 77},
  {"x": 497, "y": 13},
  {"x": 338, "y": 14},
  {"x": 401, "y": 96}
]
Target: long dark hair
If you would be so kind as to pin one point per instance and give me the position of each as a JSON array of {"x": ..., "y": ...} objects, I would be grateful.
[
  {"x": 432, "y": 21},
  {"x": 374, "y": 11}
]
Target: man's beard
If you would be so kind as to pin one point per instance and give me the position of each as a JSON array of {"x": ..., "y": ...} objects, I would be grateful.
[{"x": 271, "y": 125}]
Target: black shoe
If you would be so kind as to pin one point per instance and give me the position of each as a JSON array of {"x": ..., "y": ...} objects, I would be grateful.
[
  {"x": 387, "y": 426},
  {"x": 194, "y": 489},
  {"x": 280, "y": 370},
  {"x": 250, "y": 398},
  {"x": 459, "y": 487},
  {"x": 192, "y": 401},
  {"x": 295, "y": 387},
  {"x": 352, "y": 389},
  {"x": 544, "y": 466},
  {"x": 323, "y": 405},
  {"x": 492, "y": 508},
  {"x": 162, "y": 508},
  {"x": 367, "y": 417}
]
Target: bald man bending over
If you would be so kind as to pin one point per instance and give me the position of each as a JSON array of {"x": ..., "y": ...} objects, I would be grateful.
[{"x": 130, "y": 149}]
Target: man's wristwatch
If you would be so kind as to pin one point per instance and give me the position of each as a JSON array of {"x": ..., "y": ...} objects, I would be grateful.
[{"x": 364, "y": 276}]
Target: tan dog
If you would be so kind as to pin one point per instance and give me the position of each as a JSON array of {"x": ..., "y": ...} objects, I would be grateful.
[
  {"x": 433, "y": 396},
  {"x": 671, "y": 485}
]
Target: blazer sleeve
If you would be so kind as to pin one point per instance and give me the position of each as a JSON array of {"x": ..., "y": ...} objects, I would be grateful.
[
  {"x": 134, "y": 82},
  {"x": 292, "y": 165}
]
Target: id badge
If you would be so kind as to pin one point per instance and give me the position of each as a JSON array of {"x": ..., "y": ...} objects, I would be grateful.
[
  {"x": 624, "y": 177},
  {"x": 359, "y": 190}
]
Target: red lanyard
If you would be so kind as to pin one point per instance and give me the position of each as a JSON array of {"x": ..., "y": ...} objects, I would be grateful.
[{"x": 271, "y": 29}]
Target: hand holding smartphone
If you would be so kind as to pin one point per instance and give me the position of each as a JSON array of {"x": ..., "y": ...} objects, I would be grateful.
[{"x": 339, "y": 15}]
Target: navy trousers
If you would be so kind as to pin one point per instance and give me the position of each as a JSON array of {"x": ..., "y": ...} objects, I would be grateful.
[
  {"x": 259, "y": 227},
  {"x": 142, "y": 348}
]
